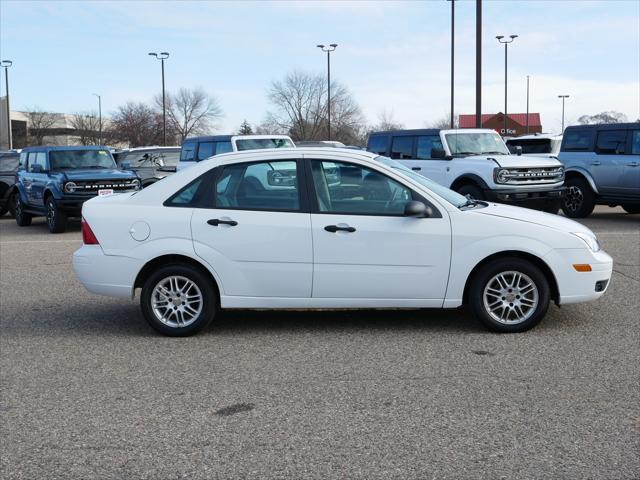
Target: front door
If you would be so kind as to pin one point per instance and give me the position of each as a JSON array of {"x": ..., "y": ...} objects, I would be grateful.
[
  {"x": 365, "y": 248},
  {"x": 256, "y": 235}
]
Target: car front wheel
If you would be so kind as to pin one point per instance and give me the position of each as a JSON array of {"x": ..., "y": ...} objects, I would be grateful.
[
  {"x": 471, "y": 191},
  {"x": 178, "y": 300},
  {"x": 23, "y": 219},
  {"x": 509, "y": 295},
  {"x": 579, "y": 200},
  {"x": 56, "y": 218}
]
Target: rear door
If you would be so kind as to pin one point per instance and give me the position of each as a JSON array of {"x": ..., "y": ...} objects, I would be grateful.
[
  {"x": 609, "y": 165},
  {"x": 257, "y": 232},
  {"x": 632, "y": 165}
]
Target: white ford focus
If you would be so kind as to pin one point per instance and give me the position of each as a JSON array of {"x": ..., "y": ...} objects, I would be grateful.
[{"x": 329, "y": 228}]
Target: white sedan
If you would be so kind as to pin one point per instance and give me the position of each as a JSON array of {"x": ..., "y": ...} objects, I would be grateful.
[{"x": 329, "y": 228}]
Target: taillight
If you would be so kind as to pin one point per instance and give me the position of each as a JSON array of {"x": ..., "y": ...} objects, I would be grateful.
[{"x": 88, "y": 237}]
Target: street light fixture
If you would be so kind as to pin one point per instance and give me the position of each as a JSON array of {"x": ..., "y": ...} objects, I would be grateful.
[
  {"x": 328, "y": 49},
  {"x": 99, "y": 118},
  {"x": 162, "y": 56},
  {"x": 563, "y": 98},
  {"x": 501, "y": 39},
  {"x": 6, "y": 64}
]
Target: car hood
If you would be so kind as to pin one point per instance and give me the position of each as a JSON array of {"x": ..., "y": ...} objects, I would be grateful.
[
  {"x": 519, "y": 161},
  {"x": 527, "y": 215},
  {"x": 98, "y": 174}
]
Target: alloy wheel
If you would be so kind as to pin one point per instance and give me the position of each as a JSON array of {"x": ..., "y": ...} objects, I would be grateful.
[
  {"x": 176, "y": 301},
  {"x": 573, "y": 199},
  {"x": 510, "y": 297},
  {"x": 51, "y": 214}
]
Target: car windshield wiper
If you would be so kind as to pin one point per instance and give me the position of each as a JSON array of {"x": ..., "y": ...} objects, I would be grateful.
[
  {"x": 471, "y": 202},
  {"x": 494, "y": 153},
  {"x": 466, "y": 153}
]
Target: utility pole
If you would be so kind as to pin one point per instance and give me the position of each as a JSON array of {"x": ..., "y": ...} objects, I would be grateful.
[
  {"x": 563, "y": 97},
  {"x": 506, "y": 43},
  {"x": 162, "y": 56},
  {"x": 6, "y": 64},
  {"x": 478, "y": 63},
  {"x": 527, "y": 104},
  {"x": 328, "y": 49},
  {"x": 453, "y": 16},
  {"x": 99, "y": 118}
]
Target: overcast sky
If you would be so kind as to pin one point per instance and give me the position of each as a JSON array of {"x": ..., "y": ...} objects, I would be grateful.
[{"x": 393, "y": 56}]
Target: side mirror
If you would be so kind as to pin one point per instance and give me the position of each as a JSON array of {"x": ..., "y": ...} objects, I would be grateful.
[
  {"x": 439, "y": 153},
  {"x": 126, "y": 165},
  {"x": 167, "y": 168},
  {"x": 417, "y": 209},
  {"x": 518, "y": 150},
  {"x": 37, "y": 168}
]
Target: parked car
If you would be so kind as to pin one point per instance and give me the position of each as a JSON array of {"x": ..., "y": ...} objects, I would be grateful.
[
  {"x": 320, "y": 143},
  {"x": 8, "y": 165},
  {"x": 602, "y": 164},
  {"x": 536, "y": 145},
  {"x": 150, "y": 163},
  {"x": 196, "y": 149},
  {"x": 329, "y": 228},
  {"x": 56, "y": 181},
  {"x": 475, "y": 162}
]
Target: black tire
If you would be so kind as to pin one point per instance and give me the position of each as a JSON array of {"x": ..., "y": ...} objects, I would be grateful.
[
  {"x": 23, "y": 219},
  {"x": 3, "y": 210},
  {"x": 631, "y": 208},
  {"x": 538, "y": 298},
  {"x": 472, "y": 190},
  {"x": 551, "y": 207},
  {"x": 56, "y": 218},
  {"x": 579, "y": 200},
  {"x": 206, "y": 309}
]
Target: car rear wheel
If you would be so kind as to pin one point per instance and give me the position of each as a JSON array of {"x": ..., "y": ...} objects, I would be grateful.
[
  {"x": 471, "y": 191},
  {"x": 579, "y": 200},
  {"x": 56, "y": 219},
  {"x": 23, "y": 219},
  {"x": 178, "y": 300},
  {"x": 3, "y": 210},
  {"x": 509, "y": 295},
  {"x": 631, "y": 208}
]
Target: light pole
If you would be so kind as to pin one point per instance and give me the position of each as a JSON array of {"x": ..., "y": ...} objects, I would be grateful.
[
  {"x": 506, "y": 43},
  {"x": 453, "y": 16},
  {"x": 527, "y": 104},
  {"x": 99, "y": 118},
  {"x": 6, "y": 64},
  {"x": 478, "y": 63},
  {"x": 328, "y": 49},
  {"x": 563, "y": 98},
  {"x": 162, "y": 56}
]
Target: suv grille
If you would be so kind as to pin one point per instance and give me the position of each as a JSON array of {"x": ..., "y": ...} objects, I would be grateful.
[
  {"x": 94, "y": 186},
  {"x": 524, "y": 176}
]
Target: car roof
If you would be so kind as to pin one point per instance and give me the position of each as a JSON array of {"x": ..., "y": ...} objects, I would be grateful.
[
  {"x": 51, "y": 148},
  {"x": 226, "y": 138},
  {"x": 415, "y": 131},
  {"x": 232, "y": 157},
  {"x": 607, "y": 126},
  {"x": 138, "y": 149}
]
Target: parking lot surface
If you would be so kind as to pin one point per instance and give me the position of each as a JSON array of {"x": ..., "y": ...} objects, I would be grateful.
[{"x": 88, "y": 390}]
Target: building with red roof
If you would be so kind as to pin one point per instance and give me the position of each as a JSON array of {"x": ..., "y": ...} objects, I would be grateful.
[{"x": 516, "y": 123}]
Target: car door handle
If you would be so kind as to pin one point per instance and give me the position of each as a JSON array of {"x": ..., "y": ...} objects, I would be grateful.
[
  {"x": 416, "y": 168},
  {"x": 336, "y": 228},
  {"x": 597, "y": 162},
  {"x": 216, "y": 221},
  {"x": 633, "y": 164}
]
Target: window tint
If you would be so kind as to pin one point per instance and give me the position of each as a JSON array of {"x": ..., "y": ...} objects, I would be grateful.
[
  {"x": 635, "y": 142},
  {"x": 206, "y": 150},
  {"x": 611, "y": 142},
  {"x": 378, "y": 144},
  {"x": 537, "y": 145},
  {"x": 352, "y": 189},
  {"x": 37, "y": 158},
  {"x": 190, "y": 195},
  {"x": 224, "y": 147},
  {"x": 9, "y": 163},
  {"x": 402, "y": 147},
  {"x": 425, "y": 144},
  {"x": 258, "y": 186},
  {"x": 187, "y": 152},
  {"x": 577, "y": 140}
]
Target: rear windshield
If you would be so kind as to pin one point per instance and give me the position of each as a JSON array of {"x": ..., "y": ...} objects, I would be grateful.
[
  {"x": 62, "y": 159},
  {"x": 538, "y": 145},
  {"x": 260, "y": 143}
]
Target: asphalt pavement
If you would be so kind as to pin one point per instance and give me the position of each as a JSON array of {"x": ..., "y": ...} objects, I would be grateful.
[{"x": 88, "y": 390}]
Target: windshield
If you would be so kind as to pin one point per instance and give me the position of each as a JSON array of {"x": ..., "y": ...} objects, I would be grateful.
[
  {"x": 449, "y": 195},
  {"x": 62, "y": 159},
  {"x": 476, "y": 144},
  {"x": 260, "y": 143}
]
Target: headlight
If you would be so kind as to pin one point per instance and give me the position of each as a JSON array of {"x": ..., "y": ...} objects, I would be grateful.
[
  {"x": 590, "y": 240},
  {"x": 70, "y": 187},
  {"x": 502, "y": 175},
  {"x": 135, "y": 184}
]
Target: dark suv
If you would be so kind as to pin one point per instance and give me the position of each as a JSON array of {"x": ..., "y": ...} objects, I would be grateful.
[
  {"x": 56, "y": 181},
  {"x": 8, "y": 166},
  {"x": 150, "y": 163}
]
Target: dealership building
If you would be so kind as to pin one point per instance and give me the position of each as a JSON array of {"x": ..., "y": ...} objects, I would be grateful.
[{"x": 516, "y": 123}]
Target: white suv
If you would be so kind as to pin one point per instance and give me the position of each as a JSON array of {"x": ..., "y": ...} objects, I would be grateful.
[{"x": 475, "y": 162}]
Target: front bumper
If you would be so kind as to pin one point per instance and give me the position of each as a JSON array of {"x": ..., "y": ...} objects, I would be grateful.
[
  {"x": 520, "y": 196},
  {"x": 109, "y": 275}
]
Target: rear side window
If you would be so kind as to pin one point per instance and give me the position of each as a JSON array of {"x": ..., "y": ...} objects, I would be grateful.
[
  {"x": 425, "y": 144},
  {"x": 187, "y": 152},
  {"x": 378, "y": 144},
  {"x": 402, "y": 147},
  {"x": 611, "y": 142},
  {"x": 577, "y": 140},
  {"x": 635, "y": 142}
]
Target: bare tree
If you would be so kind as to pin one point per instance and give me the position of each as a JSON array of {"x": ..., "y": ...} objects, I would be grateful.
[
  {"x": 300, "y": 108},
  {"x": 137, "y": 124},
  {"x": 245, "y": 128},
  {"x": 386, "y": 121},
  {"x": 603, "y": 117},
  {"x": 443, "y": 122},
  {"x": 190, "y": 112},
  {"x": 40, "y": 124},
  {"x": 87, "y": 128}
]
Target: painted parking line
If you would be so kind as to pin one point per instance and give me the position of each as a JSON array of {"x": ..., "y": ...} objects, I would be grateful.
[{"x": 11, "y": 242}]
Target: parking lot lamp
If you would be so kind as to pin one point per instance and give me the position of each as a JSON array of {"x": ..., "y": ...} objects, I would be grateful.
[
  {"x": 99, "y": 118},
  {"x": 506, "y": 42},
  {"x": 453, "y": 16},
  {"x": 162, "y": 56},
  {"x": 6, "y": 64},
  {"x": 527, "y": 104},
  {"x": 563, "y": 97},
  {"x": 328, "y": 49}
]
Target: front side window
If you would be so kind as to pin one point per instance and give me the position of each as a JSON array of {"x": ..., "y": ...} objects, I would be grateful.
[
  {"x": 206, "y": 150},
  {"x": 67, "y": 159},
  {"x": 611, "y": 142},
  {"x": 427, "y": 143},
  {"x": 37, "y": 158},
  {"x": 258, "y": 186},
  {"x": 343, "y": 188},
  {"x": 635, "y": 142},
  {"x": 224, "y": 147},
  {"x": 577, "y": 140},
  {"x": 402, "y": 147}
]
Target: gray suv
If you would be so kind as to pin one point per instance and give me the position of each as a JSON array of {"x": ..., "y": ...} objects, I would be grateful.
[{"x": 602, "y": 167}]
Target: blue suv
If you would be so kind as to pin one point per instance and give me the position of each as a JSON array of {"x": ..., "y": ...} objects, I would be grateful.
[
  {"x": 56, "y": 181},
  {"x": 602, "y": 167}
]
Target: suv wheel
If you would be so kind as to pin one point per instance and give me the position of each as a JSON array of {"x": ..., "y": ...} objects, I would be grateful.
[
  {"x": 56, "y": 219},
  {"x": 579, "y": 200},
  {"x": 23, "y": 219},
  {"x": 631, "y": 208},
  {"x": 178, "y": 300},
  {"x": 471, "y": 190},
  {"x": 509, "y": 295}
]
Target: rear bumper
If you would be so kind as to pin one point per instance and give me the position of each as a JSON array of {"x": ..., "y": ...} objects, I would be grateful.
[
  {"x": 109, "y": 275},
  {"x": 543, "y": 196}
]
